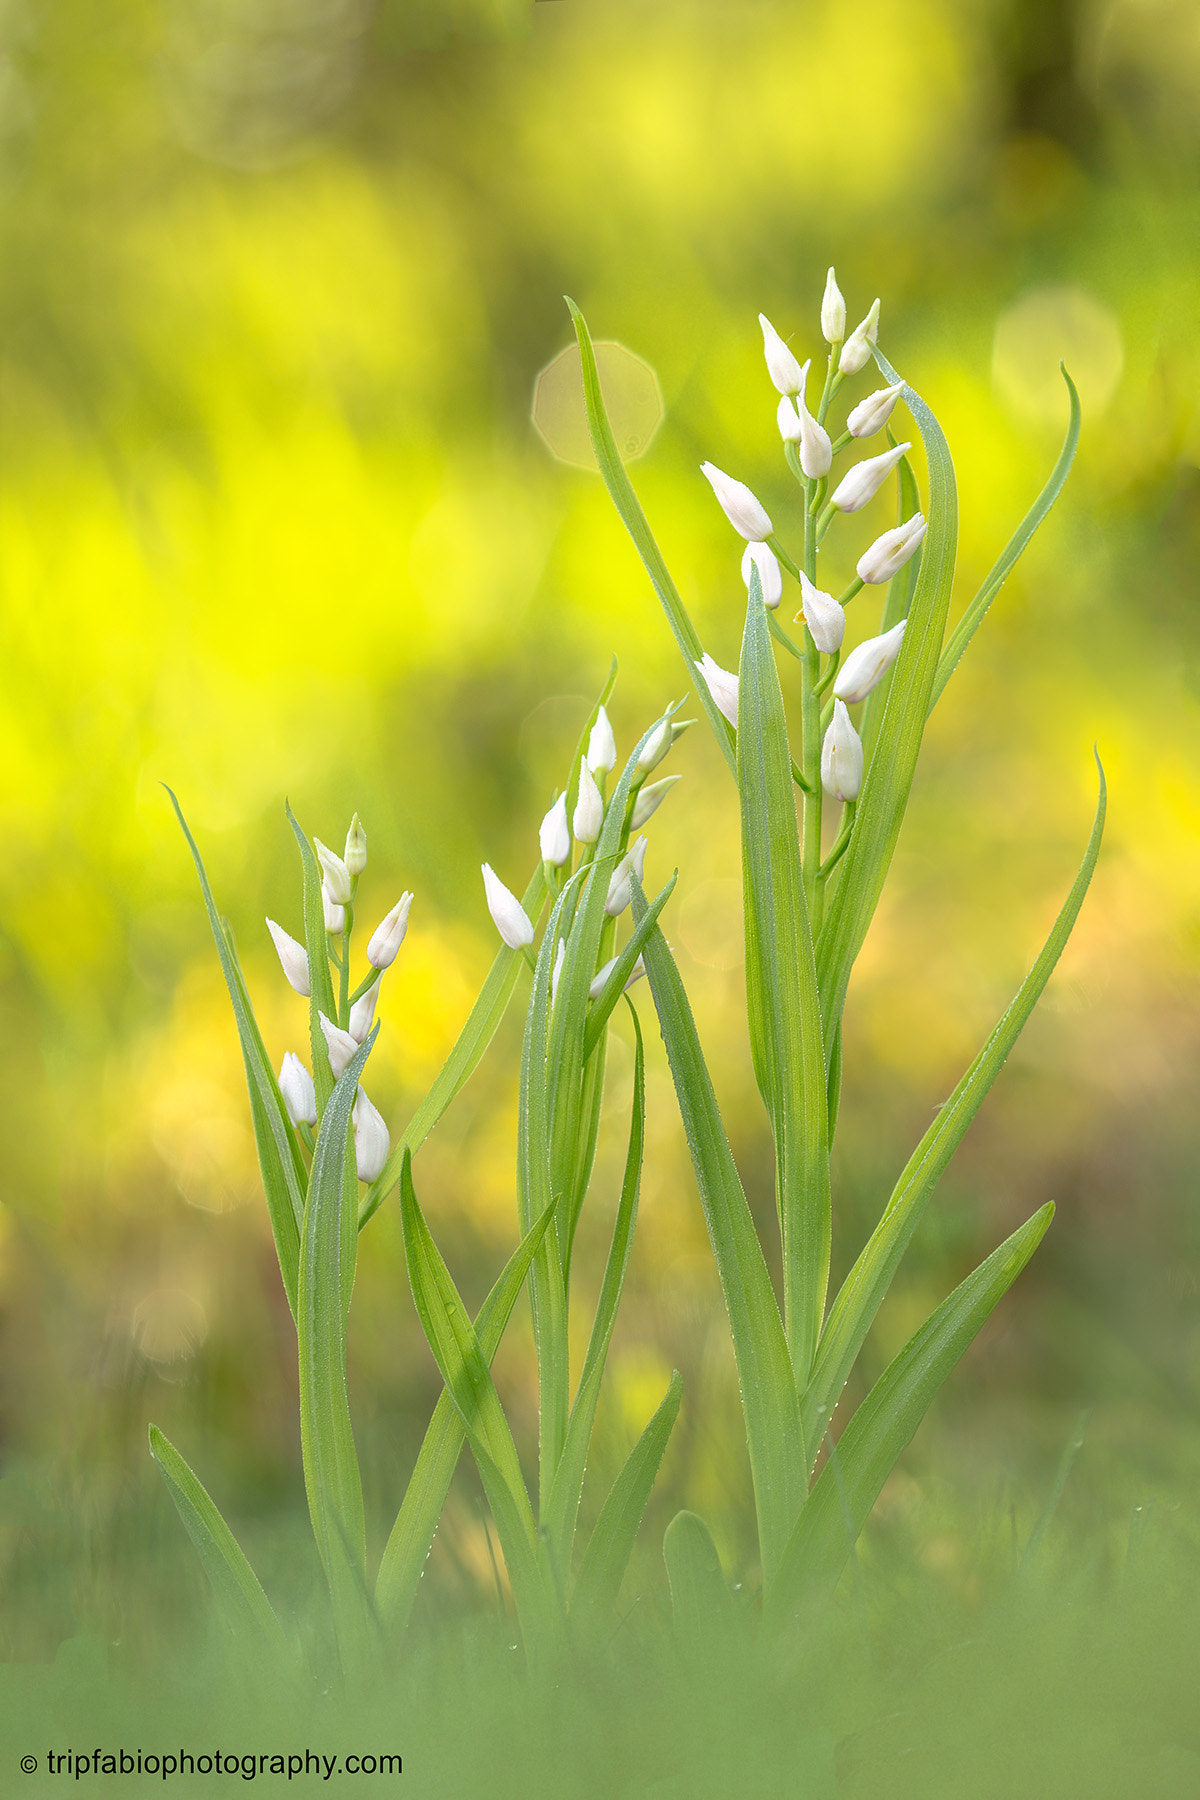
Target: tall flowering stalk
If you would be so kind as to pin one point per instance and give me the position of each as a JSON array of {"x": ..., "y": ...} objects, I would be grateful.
[{"x": 809, "y": 897}]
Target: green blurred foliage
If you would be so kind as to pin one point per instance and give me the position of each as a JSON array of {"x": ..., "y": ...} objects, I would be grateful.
[{"x": 279, "y": 276}]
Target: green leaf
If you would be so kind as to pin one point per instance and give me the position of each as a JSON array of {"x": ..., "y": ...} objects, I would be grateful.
[
  {"x": 559, "y": 1519},
  {"x": 611, "y": 1543},
  {"x": 769, "y": 1404},
  {"x": 246, "y": 1608},
  {"x": 896, "y": 606},
  {"x": 863, "y": 1290},
  {"x": 967, "y": 626},
  {"x": 701, "y": 1603},
  {"x": 601, "y": 1010},
  {"x": 284, "y": 1176},
  {"x": 465, "y": 1370},
  {"x": 316, "y": 939},
  {"x": 634, "y": 519},
  {"x": 889, "y": 774},
  {"x": 883, "y": 1426},
  {"x": 781, "y": 988},
  {"x": 408, "y": 1546},
  {"x": 328, "y": 1246}
]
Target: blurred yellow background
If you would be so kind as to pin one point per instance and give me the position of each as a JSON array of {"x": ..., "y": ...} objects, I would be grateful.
[{"x": 278, "y": 278}]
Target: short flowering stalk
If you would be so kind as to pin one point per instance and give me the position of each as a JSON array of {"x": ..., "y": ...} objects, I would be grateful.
[
  {"x": 508, "y": 915},
  {"x": 867, "y": 664}
]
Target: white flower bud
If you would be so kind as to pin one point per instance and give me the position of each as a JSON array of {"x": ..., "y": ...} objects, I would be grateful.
[
  {"x": 588, "y": 816},
  {"x": 618, "y": 887},
  {"x": 856, "y": 351},
  {"x": 864, "y": 480},
  {"x": 833, "y": 311},
  {"x": 508, "y": 915},
  {"x": 746, "y": 514},
  {"x": 602, "y": 745},
  {"x": 891, "y": 551},
  {"x": 371, "y": 1140},
  {"x": 770, "y": 575},
  {"x": 299, "y": 1094},
  {"x": 294, "y": 958},
  {"x": 650, "y": 799},
  {"x": 722, "y": 685},
  {"x": 782, "y": 366},
  {"x": 355, "y": 854},
  {"x": 841, "y": 756},
  {"x": 362, "y": 1013},
  {"x": 816, "y": 451},
  {"x": 556, "y": 971},
  {"x": 554, "y": 834},
  {"x": 788, "y": 420},
  {"x": 387, "y": 938},
  {"x": 867, "y": 664},
  {"x": 824, "y": 616},
  {"x": 602, "y": 974},
  {"x": 336, "y": 876},
  {"x": 655, "y": 748},
  {"x": 873, "y": 413},
  {"x": 335, "y": 916},
  {"x": 341, "y": 1045}
]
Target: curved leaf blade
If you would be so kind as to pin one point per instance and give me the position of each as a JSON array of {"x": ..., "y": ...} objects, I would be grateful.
[{"x": 611, "y": 1543}]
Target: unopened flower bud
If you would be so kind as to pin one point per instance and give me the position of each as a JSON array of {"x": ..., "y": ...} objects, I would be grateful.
[
  {"x": 371, "y": 1140},
  {"x": 387, "y": 938},
  {"x": 655, "y": 748},
  {"x": 863, "y": 481},
  {"x": 856, "y": 351},
  {"x": 816, "y": 451},
  {"x": 833, "y": 311},
  {"x": 678, "y": 727},
  {"x": 556, "y": 971},
  {"x": 841, "y": 756},
  {"x": 867, "y": 664},
  {"x": 782, "y": 366},
  {"x": 873, "y": 413},
  {"x": 299, "y": 1094},
  {"x": 722, "y": 685},
  {"x": 340, "y": 1044},
  {"x": 824, "y": 616},
  {"x": 294, "y": 958},
  {"x": 554, "y": 834},
  {"x": 362, "y": 1013},
  {"x": 649, "y": 800},
  {"x": 891, "y": 551},
  {"x": 335, "y": 916},
  {"x": 355, "y": 854},
  {"x": 508, "y": 915},
  {"x": 618, "y": 887},
  {"x": 770, "y": 575},
  {"x": 746, "y": 514},
  {"x": 588, "y": 816},
  {"x": 335, "y": 874},
  {"x": 602, "y": 974},
  {"x": 602, "y": 745},
  {"x": 788, "y": 420}
]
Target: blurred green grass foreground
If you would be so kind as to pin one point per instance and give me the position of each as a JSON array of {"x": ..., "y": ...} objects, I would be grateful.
[{"x": 278, "y": 279}]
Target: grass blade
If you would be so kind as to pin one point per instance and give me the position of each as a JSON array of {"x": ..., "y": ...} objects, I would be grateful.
[
  {"x": 884, "y": 1424},
  {"x": 408, "y": 1545},
  {"x": 967, "y": 626},
  {"x": 781, "y": 988},
  {"x": 863, "y": 1290},
  {"x": 284, "y": 1176},
  {"x": 620, "y": 489},
  {"x": 239, "y": 1591},
  {"x": 770, "y": 1407},
  {"x": 701, "y": 1602},
  {"x": 611, "y": 1543},
  {"x": 601, "y": 1010},
  {"x": 889, "y": 775}
]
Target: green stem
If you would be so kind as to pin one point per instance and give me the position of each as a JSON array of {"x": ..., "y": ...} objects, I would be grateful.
[
  {"x": 781, "y": 637},
  {"x": 366, "y": 984},
  {"x": 344, "y": 966},
  {"x": 855, "y": 587},
  {"x": 833, "y": 381},
  {"x": 829, "y": 674},
  {"x": 825, "y": 520},
  {"x": 810, "y": 715},
  {"x": 774, "y": 544},
  {"x": 840, "y": 843}
]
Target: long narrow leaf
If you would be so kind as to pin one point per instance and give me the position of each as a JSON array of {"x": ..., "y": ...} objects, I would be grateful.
[
  {"x": 769, "y": 1403},
  {"x": 283, "y": 1173},
  {"x": 701, "y": 1603},
  {"x": 781, "y": 987},
  {"x": 634, "y": 519},
  {"x": 967, "y": 626},
  {"x": 316, "y": 938},
  {"x": 238, "y": 1588},
  {"x": 408, "y": 1545},
  {"x": 611, "y": 1543},
  {"x": 884, "y": 1424},
  {"x": 864, "y": 1288},
  {"x": 890, "y": 773},
  {"x": 601, "y": 1010}
]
